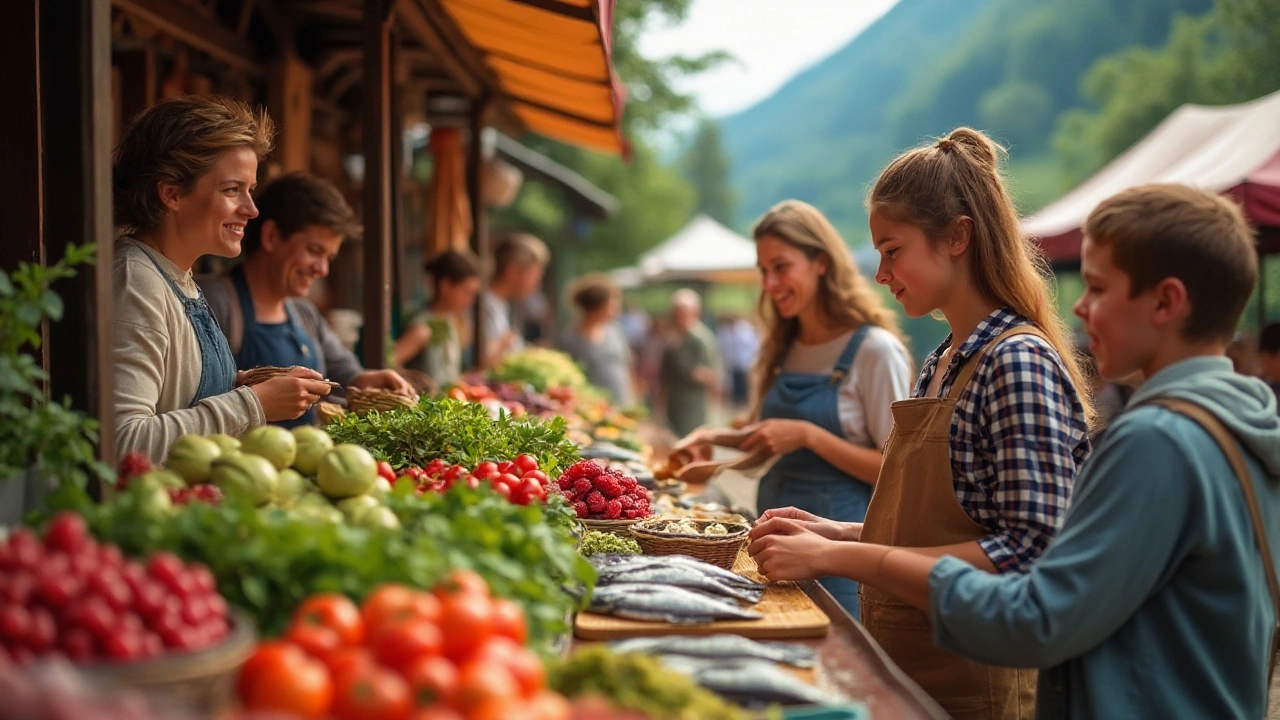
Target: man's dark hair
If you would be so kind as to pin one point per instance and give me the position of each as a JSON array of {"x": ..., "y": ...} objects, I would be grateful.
[
  {"x": 1269, "y": 339},
  {"x": 296, "y": 202}
]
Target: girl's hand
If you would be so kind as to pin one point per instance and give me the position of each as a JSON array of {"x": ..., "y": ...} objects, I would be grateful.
[
  {"x": 288, "y": 396},
  {"x": 778, "y": 437},
  {"x": 791, "y": 552},
  {"x": 830, "y": 529}
]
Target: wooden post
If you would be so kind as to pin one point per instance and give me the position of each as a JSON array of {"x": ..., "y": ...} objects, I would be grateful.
[
  {"x": 75, "y": 37},
  {"x": 377, "y": 180},
  {"x": 479, "y": 224},
  {"x": 289, "y": 93},
  {"x": 20, "y": 163},
  {"x": 397, "y": 174}
]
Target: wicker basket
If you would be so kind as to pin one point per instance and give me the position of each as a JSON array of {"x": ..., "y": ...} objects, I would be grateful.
[
  {"x": 329, "y": 412},
  {"x": 613, "y": 527},
  {"x": 204, "y": 681},
  {"x": 361, "y": 401},
  {"x": 721, "y": 550}
]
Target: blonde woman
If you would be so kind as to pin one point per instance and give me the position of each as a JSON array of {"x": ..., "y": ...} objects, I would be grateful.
[
  {"x": 182, "y": 182},
  {"x": 831, "y": 364}
]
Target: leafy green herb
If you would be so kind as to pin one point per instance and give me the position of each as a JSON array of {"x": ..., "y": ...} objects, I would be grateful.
[
  {"x": 600, "y": 543},
  {"x": 456, "y": 432},
  {"x": 268, "y": 562},
  {"x": 637, "y": 682}
]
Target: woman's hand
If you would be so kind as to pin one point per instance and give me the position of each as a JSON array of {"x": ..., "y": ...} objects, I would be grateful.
[
  {"x": 697, "y": 445},
  {"x": 790, "y": 551},
  {"x": 385, "y": 380},
  {"x": 286, "y": 397},
  {"x": 778, "y": 437},
  {"x": 770, "y": 522}
]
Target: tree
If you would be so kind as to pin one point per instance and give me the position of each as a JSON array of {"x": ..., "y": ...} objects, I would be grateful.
[{"x": 706, "y": 166}]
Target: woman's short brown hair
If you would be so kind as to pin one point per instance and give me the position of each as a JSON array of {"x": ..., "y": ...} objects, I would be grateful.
[
  {"x": 593, "y": 292},
  {"x": 1163, "y": 231},
  {"x": 177, "y": 141}
]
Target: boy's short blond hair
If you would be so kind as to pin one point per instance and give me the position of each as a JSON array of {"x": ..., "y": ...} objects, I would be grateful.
[
  {"x": 1160, "y": 231},
  {"x": 519, "y": 250}
]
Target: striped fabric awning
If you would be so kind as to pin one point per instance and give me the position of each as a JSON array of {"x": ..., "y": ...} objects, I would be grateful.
[{"x": 553, "y": 59}]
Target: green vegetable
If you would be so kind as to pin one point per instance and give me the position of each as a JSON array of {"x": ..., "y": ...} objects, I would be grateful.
[
  {"x": 600, "y": 543},
  {"x": 542, "y": 368},
  {"x": 456, "y": 432},
  {"x": 637, "y": 682},
  {"x": 267, "y": 562}
]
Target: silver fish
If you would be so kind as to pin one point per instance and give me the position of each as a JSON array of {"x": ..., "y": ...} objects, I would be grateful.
[
  {"x": 685, "y": 577},
  {"x": 610, "y": 565},
  {"x": 665, "y": 603},
  {"x": 749, "y": 682},
  {"x": 720, "y": 647}
]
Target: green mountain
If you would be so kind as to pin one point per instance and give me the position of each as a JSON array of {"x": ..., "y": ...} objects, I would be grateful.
[{"x": 1010, "y": 67}]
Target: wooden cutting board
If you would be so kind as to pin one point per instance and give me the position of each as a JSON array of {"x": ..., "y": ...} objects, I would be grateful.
[{"x": 788, "y": 614}]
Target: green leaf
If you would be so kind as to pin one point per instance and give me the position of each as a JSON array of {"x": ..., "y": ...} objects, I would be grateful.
[
  {"x": 6, "y": 286},
  {"x": 51, "y": 304}
]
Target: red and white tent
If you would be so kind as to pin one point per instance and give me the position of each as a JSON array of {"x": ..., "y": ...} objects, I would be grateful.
[{"x": 1230, "y": 149}]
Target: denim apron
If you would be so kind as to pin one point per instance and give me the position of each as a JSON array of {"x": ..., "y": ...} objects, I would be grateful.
[
  {"x": 802, "y": 478},
  {"x": 217, "y": 366},
  {"x": 278, "y": 344}
]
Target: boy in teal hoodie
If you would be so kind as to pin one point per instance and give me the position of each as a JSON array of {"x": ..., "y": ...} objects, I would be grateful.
[{"x": 1153, "y": 600}]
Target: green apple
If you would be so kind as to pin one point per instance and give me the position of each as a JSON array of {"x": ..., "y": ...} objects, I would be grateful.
[
  {"x": 245, "y": 475},
  {"x": 154, "y": 502},
  {"x": 354, "y": 507},
  {"x": 381, "y": 487},
  {"x": 226, "y": 443},
  {"x": 313, "y": 443},
  {"x": 346, "y": 470},
  {"x": 290, "y": 487},
  {"x": 378, "y": 517},
  {"x": 327, "y": 514},
  {"x": 192, "y": 456},
  {"x": 312, "y": 499},
  {"x": 162, "y": 479},
  {"x": 271, "y": 442}
]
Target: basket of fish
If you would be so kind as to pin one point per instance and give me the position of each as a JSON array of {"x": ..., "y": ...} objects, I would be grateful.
[{"x": 711, "y": 541}]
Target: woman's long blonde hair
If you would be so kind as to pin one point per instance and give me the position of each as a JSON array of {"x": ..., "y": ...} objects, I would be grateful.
[
  {"x": 933, "y": 186},
  {"x": 846, "y": 298}
]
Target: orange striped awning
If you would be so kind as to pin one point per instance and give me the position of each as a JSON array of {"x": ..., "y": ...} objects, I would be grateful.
[{"x": 553, "y": 59}]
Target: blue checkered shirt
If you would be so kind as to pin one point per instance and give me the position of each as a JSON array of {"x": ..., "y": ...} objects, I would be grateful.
[{"x": 1018, "y": 436}]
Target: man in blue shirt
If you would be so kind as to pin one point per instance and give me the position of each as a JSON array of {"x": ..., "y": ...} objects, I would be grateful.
[{"x": 1155, "y": 599}]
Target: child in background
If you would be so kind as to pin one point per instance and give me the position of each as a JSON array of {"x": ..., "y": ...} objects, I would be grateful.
[{"x": 432, "y": 343}]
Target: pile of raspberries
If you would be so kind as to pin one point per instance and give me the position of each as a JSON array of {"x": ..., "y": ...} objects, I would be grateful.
[{"x": 601, "y": 494}]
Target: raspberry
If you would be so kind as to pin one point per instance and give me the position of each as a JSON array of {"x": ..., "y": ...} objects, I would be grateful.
[
  {"x": 582, "y": 486},
  {"x": 581, "y": 508},
  {"x": 628, "y": 502},
  {"x": 565, "y": 482},
  {"x": 131, "y": 466},
  {"x": 630, "y": 513},
  {"x": 609, "y": 485},
  {"x": 596, "y": 501},
  {"x": 583, "y": 469},
  {"x": 629, "y": 483},
  {"x": 613, "y": 510}
]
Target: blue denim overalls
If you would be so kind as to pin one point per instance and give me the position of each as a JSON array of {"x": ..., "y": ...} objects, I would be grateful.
[
  {"x": 217, "y": 366},
  {"x": 278, "y": 344},
  {"x": 802, "y": 478}
]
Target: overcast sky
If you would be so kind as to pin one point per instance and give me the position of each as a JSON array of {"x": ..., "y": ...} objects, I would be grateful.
[{"x": 772, "y": 39}]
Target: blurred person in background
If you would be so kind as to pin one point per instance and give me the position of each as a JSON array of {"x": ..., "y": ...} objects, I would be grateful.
[
  {"x": 739, "y": 345},
  {"x": 690, "y": 371},
  {"x": 1269, "y": 356},
  {"x": 432, "y": 343},
  {"x": 598, "y": 343},
  {"x": 519, "y": 261}
]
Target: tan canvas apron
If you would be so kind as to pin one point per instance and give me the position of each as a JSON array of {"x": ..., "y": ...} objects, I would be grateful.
[{"x": 915, "y": 505}]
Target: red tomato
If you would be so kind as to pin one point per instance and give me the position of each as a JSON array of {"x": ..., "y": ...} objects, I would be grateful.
[
  {"x": 506, "y": 466},
  {"x": 335, "y": 612},
  {"x": 503, "y": 490},
  {"x": 526, "y": 463},
  {"x": 372, "y": 693},
  {"x": 511, "y": 481},
  {"x": 526, "y": 667},
  {"x": 66, "y": 533},
  {"x": 457, "y": 394},
  {"x": 484, "y": 682},
  {"x": 471, "y": 481},
  {"x": 433, "y": 681},
  {"x": 390, "y": 605},
  {"x": 486, "y": 471},
  {"x": 346, "y": 659},
  {"x": 438, "y": 713},
  {"x": 508, "y": 620},
  {"x": 548, "y": 705},
  {"x": 317, "y": 640},
  {"x": 453, "y": 473},
  {"x": 537, "y": 475},
  {"x": 529, "y": 491},
  {"x": 501, "y": 708},
  {"x": 435, "y": 467},
  {"x": 400, "y": 645},
  {"x": 279, "y": 677},
  {"x": 386, "y": 471},
  {"x": 467, "y": 623},
  {"x": 461, "y": 581}
]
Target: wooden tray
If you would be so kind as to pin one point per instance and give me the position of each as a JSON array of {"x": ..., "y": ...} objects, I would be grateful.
[{"x": 788, "y": 613}]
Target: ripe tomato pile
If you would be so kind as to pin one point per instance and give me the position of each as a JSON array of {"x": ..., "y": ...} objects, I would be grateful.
[
  {"x": 518, "y": 480},
  {"x": 455, "y": 653},
  {"x": 598, "y": 493},
  {"x": 67, "y": 595}
]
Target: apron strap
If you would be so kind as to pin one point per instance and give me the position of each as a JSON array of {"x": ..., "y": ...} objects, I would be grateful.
[
  {"x": 841, "y": 369},
  {"x": 1231, "y": 448},
  {"x": 971, "y": 365}
]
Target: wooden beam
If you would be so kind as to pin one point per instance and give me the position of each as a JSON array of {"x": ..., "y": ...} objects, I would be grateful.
[
  {"x": 415, "y": 20},
  {"x": 75, "y": 37},
  {"x": 191, "y": 28},
  {"x": 479, "y": 219},
  {"x": 20, "y": 161},
  {"x": 289, "y": 95},
  {"x": 378, "y": 15}
]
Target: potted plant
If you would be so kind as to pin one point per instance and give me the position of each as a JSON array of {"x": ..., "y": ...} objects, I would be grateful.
[{"x": 43, "y": 441}]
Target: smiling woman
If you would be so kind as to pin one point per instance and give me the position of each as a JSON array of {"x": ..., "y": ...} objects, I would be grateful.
[{"x": 181, "y": 181}]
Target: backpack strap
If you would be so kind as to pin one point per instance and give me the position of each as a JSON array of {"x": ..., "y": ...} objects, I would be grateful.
[{"x": 1231, "y": 448}]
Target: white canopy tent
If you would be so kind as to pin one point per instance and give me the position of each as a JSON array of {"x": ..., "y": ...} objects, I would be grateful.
[{"x": 703, "y": 250}]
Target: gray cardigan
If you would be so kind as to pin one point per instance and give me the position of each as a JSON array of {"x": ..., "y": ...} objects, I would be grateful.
[{"x": 337, "y": 363}]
